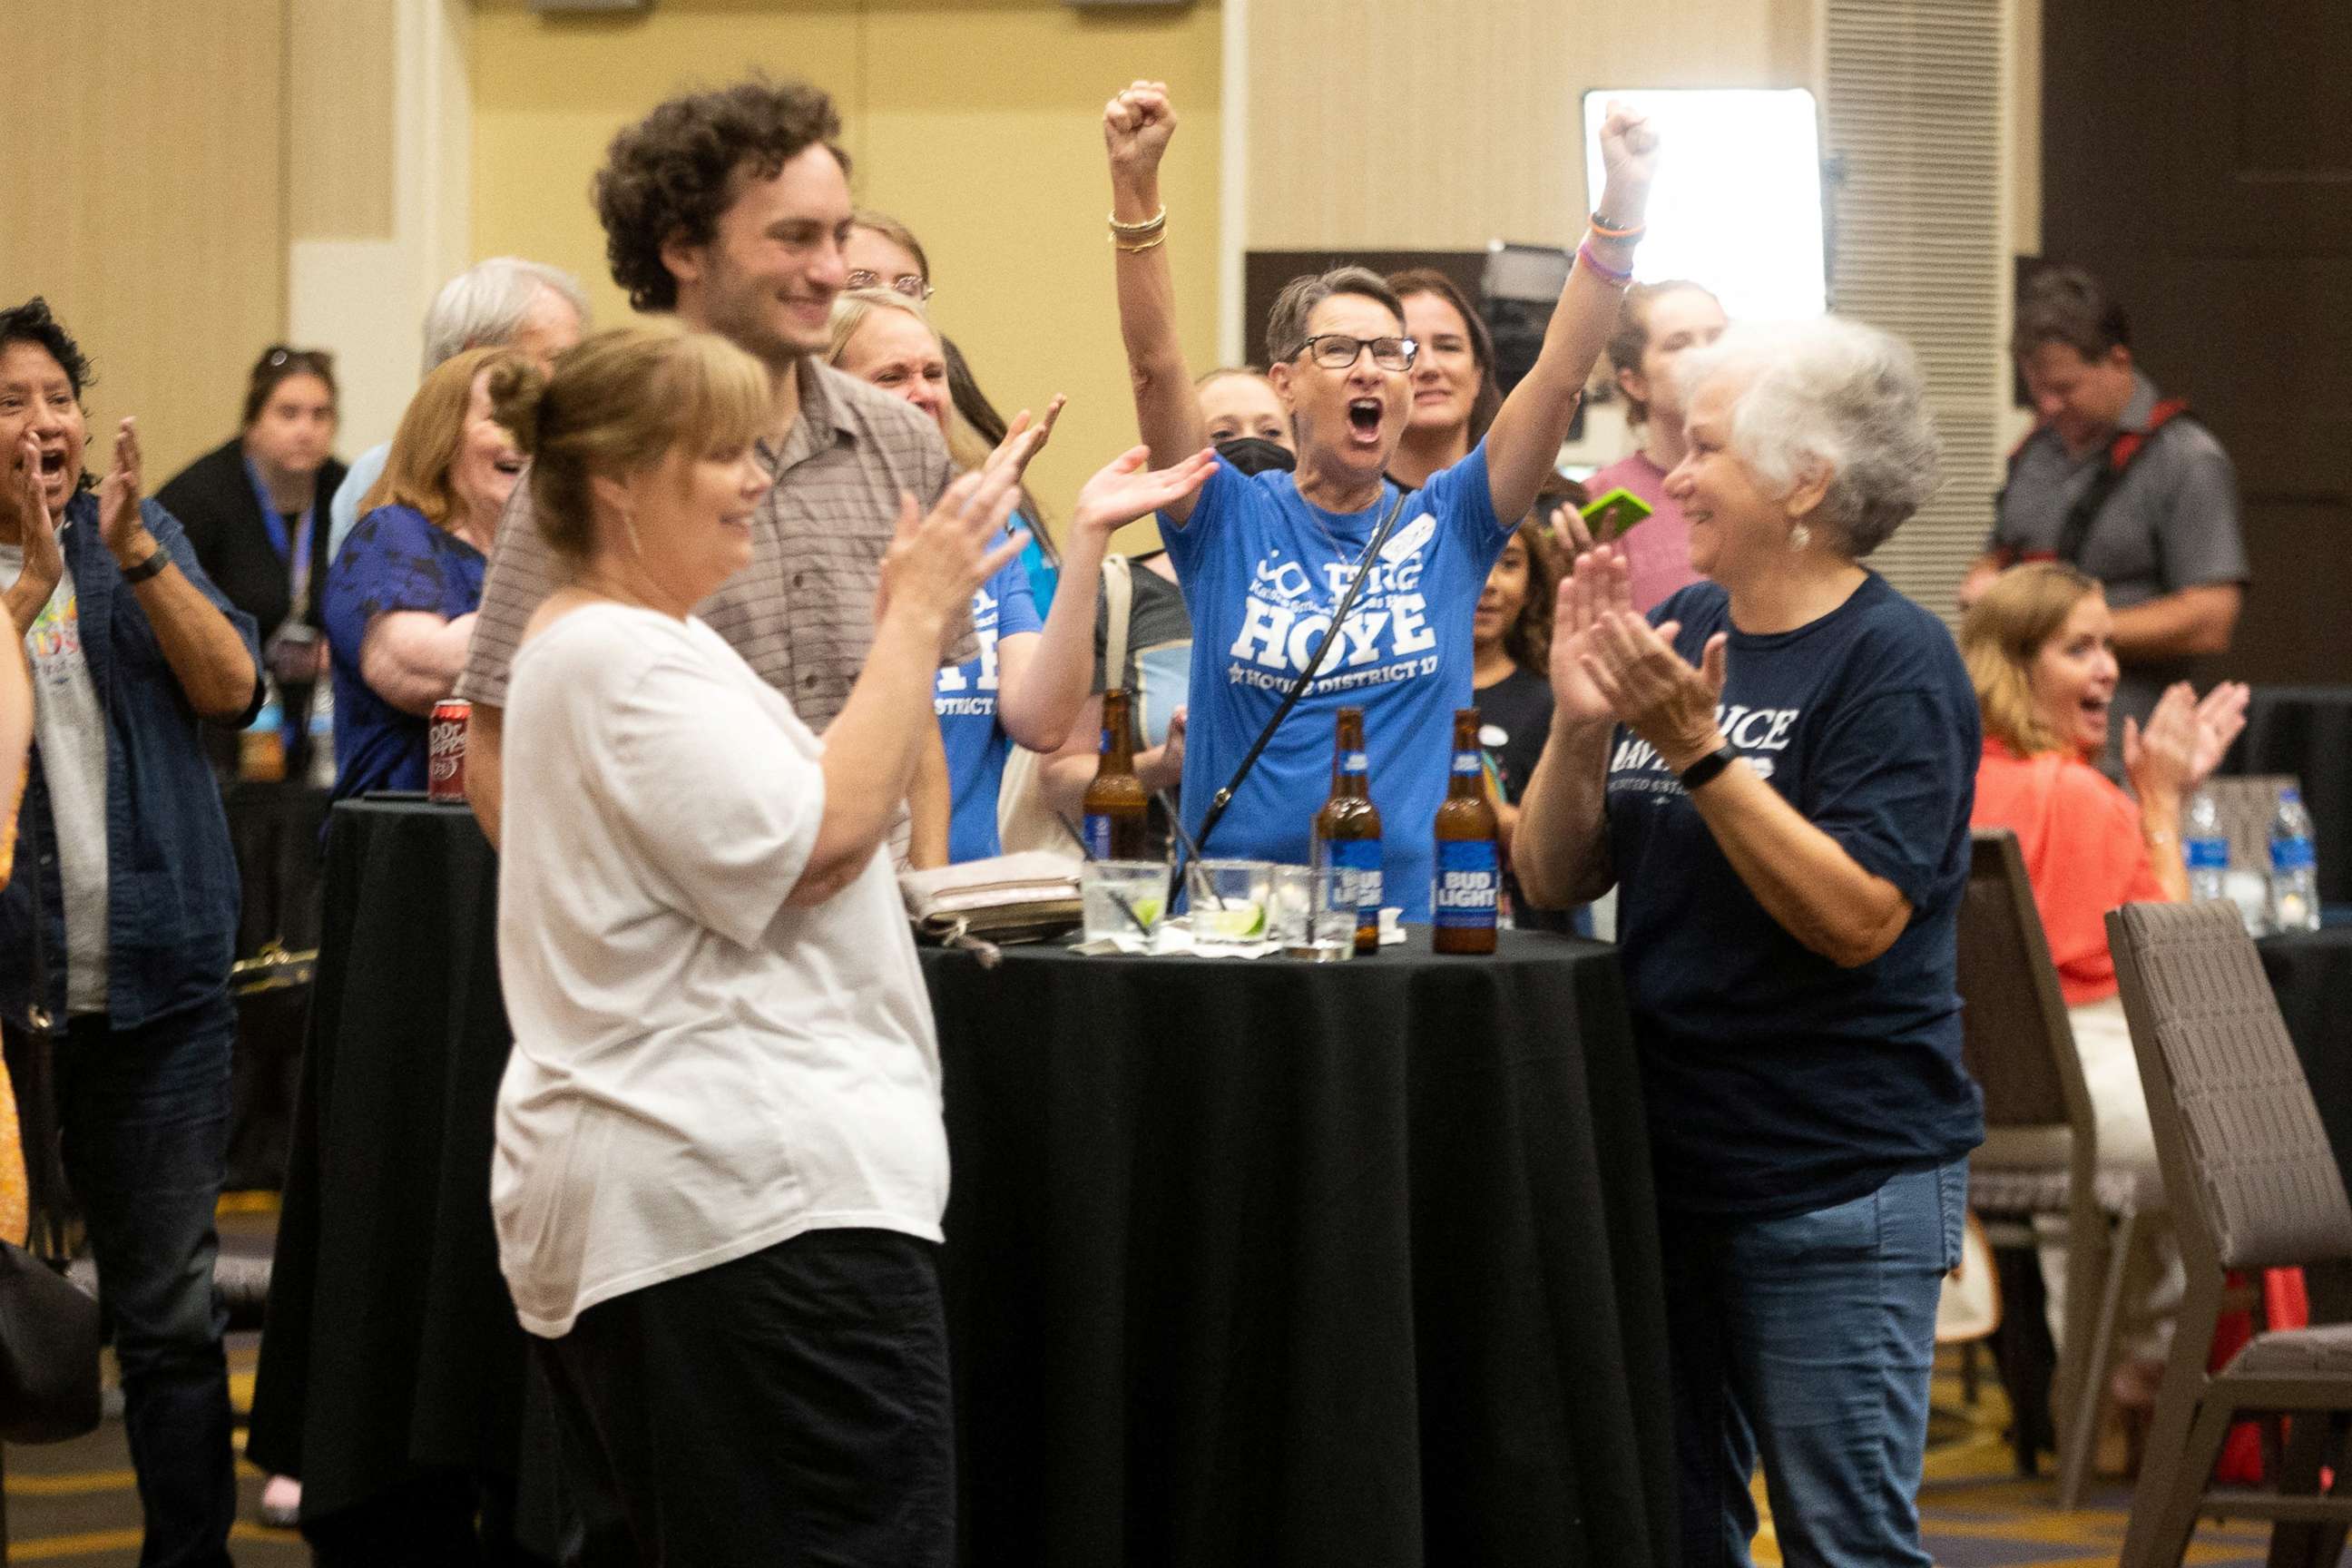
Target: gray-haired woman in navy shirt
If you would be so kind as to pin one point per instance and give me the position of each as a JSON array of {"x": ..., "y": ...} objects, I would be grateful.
[{"x": 1776, "y": 769}]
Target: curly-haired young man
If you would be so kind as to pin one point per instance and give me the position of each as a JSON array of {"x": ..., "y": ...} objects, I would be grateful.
[{"x": 728, "y": 208}]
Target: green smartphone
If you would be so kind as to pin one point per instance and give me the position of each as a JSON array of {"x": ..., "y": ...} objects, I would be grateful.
[{"x": 1613, "y": 516}]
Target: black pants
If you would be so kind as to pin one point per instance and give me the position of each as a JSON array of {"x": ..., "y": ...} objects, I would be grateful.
[{"x": 790, "y": 1409}]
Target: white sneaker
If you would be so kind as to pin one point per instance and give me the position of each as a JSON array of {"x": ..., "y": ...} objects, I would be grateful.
[{"x": 281, "y": 1503}]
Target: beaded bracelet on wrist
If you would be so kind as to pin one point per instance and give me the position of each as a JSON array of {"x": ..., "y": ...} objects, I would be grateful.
[{"x": 1600, "y": 268}]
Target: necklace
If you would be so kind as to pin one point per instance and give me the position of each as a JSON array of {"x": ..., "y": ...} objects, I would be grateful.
[{"x": 1340, "y": 552}]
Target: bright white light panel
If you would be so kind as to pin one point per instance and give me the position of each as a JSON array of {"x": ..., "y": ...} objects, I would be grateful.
[{"x": 1737, "y": 205}]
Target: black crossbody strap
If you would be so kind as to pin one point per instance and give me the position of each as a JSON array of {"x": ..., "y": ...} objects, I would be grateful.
[{"x": 1224, "y": 797}]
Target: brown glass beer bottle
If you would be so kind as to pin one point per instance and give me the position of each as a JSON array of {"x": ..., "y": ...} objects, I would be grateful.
[
  {"x": 1117, "y": 808},
  {"x": 1466, "y": 889},
  {"x": 1348, "y": 829}
]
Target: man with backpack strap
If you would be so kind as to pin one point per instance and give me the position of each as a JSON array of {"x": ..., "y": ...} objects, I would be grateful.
[{"x": 2122, "y": 484}]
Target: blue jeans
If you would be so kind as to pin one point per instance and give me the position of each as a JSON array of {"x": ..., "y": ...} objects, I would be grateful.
[
  {"x": 1807, "y": 1340},
  {"x": 144, "y": 1114}
]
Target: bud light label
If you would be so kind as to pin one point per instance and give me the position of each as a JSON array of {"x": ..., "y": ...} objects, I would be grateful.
[
  {"x": 1097, "y": 828},
  {"x": 1105, "y": 748},
  {"x": 1467, "y": 763},
  {"x": 1466, "y": 892},
  {"x": 2207, "y": 854},
  {"x": 1359, "y": 862}
]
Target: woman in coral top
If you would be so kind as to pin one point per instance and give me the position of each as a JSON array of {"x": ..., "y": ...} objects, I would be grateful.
[{"x": 2040, "y": 651}]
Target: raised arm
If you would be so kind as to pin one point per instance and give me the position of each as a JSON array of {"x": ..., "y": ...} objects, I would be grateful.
[
  {"x": 15, "y": 740},
  {"x": 1524, "y": 442},
  {"x": 1043, "y": 677},
  {"x": 485, "y": 779},
  {"x": 1561, "y": 848},
  {"x": 872, "y": 747},
  {"x": 213, "y": 660},
  {"x": 44, "y": 565},
  {"x": 1137, "y": 124}
]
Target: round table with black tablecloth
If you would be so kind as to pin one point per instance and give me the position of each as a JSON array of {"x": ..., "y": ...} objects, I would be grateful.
[
  {"x": 1283, "y": 1263},
  {"x": 274, "y": 829},
  {"x": 2307, "y": 731},
  {"x": 1247, "y": 1261},
  {"x": 2311, "y": 974}
]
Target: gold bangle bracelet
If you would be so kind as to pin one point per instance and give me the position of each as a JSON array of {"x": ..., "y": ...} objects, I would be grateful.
[
  {"x": 1157, "y": 239},
  {"x": 1156, "y": 222}
]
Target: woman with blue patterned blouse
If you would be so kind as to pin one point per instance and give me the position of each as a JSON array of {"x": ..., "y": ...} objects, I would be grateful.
[{"x": 401, "y": 592}]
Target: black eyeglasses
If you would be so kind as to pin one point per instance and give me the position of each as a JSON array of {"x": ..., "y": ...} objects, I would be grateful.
[
  {"x": 911, "y": 284},
  {"x": 1338, "y": 350}
]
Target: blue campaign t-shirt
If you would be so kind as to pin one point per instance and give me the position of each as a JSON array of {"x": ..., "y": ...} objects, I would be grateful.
[
  {"x": 1263, "y": 569},
  {"x": 1777, "y": 1081},
  {"x": 965, "y": 697},
  {"x": 395, "y": 560}
]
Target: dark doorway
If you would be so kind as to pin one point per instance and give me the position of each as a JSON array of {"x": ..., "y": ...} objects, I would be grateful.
[{"x": 2197, "y": 156}]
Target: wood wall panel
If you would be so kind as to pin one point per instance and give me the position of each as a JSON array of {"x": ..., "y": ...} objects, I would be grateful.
[
  {"x": 340, "y": 83},
  {"x": 1389, "y": 124},
  {"x": 151, "y": 213},
  {"x": 977, "y": 122}
]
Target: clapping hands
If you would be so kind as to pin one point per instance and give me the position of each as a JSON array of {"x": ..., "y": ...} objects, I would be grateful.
[
  {"x": 1608, "y": 663},
  {"x": 44, "y": 562},
  {"x": 2184, "y": 739},
  {"x": 1125, "y": 489}
]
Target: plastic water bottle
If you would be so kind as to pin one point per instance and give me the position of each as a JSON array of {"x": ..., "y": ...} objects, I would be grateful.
[
  {"x": 261, "y": 750},
  {"x": 322, "y": 734},
  {"x": 2205, "y": 846},
  {"x": 2294, "y": 870}
]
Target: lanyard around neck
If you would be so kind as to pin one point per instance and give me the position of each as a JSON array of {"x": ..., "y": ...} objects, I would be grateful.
[{"x": 296, "y": 551}]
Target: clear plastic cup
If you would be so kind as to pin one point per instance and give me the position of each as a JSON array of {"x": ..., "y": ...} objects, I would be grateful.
[
  {"x": 1229, "y": 903},
  {"x": 1122, "y": 899},
  {"x": 1290, "y": 909},
  {"x": 1314, "y": 912}
]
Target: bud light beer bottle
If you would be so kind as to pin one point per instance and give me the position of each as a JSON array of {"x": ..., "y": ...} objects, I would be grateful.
[
  {"x": 1467, "y": 889},
  {"x": 1348, "y": 829},
  {"x": 1118, "y": 811}
]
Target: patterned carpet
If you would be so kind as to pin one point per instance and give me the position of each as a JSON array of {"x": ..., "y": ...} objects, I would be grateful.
[
  {"x": 76, "y": 1503},
  {"x": 1975, "y": 1512}
]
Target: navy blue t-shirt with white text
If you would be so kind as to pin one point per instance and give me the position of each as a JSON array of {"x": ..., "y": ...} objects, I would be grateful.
[{"x": 1777, "y": 1081}]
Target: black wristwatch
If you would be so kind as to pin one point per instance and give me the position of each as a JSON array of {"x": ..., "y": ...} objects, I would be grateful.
[
  {"x": 1704, "y": 770},
  {"x": 150, "y": 567}
]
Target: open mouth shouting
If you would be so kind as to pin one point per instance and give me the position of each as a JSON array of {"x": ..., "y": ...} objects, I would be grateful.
[
  {"x": 49, "y": 465},
  {"x": 1365, "y": 417}
]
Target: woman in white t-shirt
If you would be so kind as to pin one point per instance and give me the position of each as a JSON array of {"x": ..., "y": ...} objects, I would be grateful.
[{"x": 721, "y": 1166}]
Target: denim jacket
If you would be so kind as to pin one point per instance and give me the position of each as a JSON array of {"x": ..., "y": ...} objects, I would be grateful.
[{"x": 171, "y": 877}]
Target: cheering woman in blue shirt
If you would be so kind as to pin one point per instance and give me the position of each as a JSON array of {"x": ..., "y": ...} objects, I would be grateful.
[{"x": 1264, "y": 560}]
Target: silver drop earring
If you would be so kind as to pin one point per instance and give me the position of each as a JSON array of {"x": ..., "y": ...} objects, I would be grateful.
[{"x": 1800, "y": 536}]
